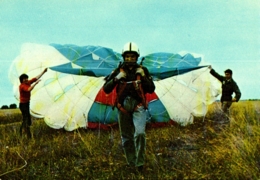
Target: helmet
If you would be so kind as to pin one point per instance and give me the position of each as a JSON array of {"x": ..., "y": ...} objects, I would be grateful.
[{"x": 130, "y": 47}]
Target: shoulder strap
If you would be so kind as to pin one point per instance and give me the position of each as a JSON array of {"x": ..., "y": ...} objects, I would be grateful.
[
  {"x": 140, "y": 90},
  {"x": 121, "y": 88}
]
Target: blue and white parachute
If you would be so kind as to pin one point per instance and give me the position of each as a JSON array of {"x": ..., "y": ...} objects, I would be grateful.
[{"x": 70, "y": 94}]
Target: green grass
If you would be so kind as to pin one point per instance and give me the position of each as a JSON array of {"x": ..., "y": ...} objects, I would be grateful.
[{"x": 203, "y": 150}]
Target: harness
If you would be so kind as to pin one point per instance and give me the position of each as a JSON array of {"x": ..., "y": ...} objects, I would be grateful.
[{"x": 139, "y": 89}]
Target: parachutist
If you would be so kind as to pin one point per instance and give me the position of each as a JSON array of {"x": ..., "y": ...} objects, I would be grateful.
[{"x": 132, "y": 82}]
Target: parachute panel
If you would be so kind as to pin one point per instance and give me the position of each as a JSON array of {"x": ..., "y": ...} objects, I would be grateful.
[{"x": 70, "y": 94}]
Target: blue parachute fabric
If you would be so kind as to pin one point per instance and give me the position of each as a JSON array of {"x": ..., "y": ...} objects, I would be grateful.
[
  {"x": 74, "y": 52},
  {"x": 99, "y": 61},
  {"x": 101, "y": 113},
  {"x": 88, "y": 56},
  {"x": 162, "y": 73},
  {"x": 94, "y": 72},
  {"x": 157, "y": 112},
  {"x": 170, "y": 60}
]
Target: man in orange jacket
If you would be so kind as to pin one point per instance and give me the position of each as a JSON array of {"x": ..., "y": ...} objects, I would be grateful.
[{"x": 25, "y": 89}]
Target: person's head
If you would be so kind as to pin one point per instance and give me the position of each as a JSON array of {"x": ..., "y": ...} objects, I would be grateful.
[
  {"x": 130, "y": 53},
  {"x": 23, "y": 78},
  {"x": 228, "y": 73}
]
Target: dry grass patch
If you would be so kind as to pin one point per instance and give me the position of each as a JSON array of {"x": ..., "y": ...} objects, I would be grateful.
[{"x": 204, "y": 150}]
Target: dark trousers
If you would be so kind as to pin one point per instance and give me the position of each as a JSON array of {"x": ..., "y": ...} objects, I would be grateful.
[
  {"x": 132, "y": 129},
  {"x": 25, "y": 109}
]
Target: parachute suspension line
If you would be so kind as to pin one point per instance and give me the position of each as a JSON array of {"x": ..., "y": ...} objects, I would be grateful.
[
  {"x": 84, "y": 116},
  {"x": 99, "y": 123},
  {"x": 168, "y": 88},
  {"x": 111, "y": 138},
  {"x": 220, "y": 108},
  {"x": 99, "y": 126},
  {"x": 149, "y": 115},
  {"x": 204, "y": 117},
  {"x": 74, "y": 137},
  {"x": 16, "y": 169},
  {"x": 86, "y": 144},
  {"x": 199, "y": 75},
  {"x": 183, "y": 105},
  {"x": 106, "y": 117}
]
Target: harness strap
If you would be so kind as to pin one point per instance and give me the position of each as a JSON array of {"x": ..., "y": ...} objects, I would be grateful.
[
  {"x": 123, "y": 110},
  {"x": 140, "y": 91},
  {"x": 138, "y": 87},
  {"x": 121, "y": 89}
]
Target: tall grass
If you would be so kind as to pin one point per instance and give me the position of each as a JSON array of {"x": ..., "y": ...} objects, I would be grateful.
[{"x": 206, "y": 149}]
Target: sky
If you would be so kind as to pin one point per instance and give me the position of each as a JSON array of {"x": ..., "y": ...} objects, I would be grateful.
[{"x": 225, "y": 32}]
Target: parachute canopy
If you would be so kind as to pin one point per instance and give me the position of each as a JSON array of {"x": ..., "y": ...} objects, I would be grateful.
[{"x": 70, "y": 94}]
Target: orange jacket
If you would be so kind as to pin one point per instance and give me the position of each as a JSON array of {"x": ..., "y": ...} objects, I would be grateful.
[{"x": 25, "y": 94}]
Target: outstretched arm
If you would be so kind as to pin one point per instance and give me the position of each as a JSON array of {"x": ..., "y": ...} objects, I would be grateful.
[
  {"x": 38, "y": 79},
  {"x": 40, "y": 75},
  {"x": 33, "y": 85},
  {"x": 215, "y": 74}
]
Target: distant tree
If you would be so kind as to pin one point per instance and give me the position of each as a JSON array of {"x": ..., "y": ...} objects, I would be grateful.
[
  {"x": 13, "y": 106},
  {"x": 4, "y": 107}
]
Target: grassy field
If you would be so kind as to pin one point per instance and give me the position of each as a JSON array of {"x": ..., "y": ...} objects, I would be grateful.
[{"x": 206, "y": 149}]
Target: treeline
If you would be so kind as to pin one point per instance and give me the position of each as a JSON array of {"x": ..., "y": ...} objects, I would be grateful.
[
  {"x": 11, "y": 106},
  {"x": 253, "y": 99},
  {"x": 14, "y": 106}
]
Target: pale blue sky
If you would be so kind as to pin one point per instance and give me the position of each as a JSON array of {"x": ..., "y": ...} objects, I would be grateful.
[{"x": 226, "y": 32}]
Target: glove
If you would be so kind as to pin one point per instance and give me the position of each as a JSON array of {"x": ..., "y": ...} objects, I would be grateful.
[
  {"x": 140, "y": 71},
  {"x": 121, "y": 75}
]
